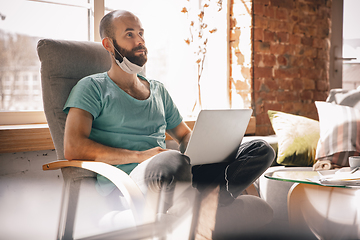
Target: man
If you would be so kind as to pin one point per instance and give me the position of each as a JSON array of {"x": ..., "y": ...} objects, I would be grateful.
[{"x": 120, "y": 118}]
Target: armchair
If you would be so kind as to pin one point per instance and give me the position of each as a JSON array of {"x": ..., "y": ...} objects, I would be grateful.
[{"x": 63, "y": 63}]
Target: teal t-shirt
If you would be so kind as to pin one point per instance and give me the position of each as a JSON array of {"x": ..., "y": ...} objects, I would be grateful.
[{"x": 122, "y": 121}]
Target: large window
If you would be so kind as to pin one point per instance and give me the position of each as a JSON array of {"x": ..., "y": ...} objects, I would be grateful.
[
  {"x": 22, "y": 24},
  {"x": 351, "y": 45},
  {"x": 167, "y": 27}
]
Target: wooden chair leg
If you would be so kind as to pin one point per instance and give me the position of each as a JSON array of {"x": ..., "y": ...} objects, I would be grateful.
[{"x": 205, "y": 218}]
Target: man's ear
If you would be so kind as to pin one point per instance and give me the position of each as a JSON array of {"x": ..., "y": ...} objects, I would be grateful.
[{"x": 108, "y": 45}]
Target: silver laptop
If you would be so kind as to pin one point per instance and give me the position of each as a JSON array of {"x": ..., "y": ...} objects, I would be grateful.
[{"x": 217, "y": 135}]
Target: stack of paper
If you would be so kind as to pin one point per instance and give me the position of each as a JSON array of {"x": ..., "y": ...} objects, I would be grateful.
[{"x": 343, "y": 177}]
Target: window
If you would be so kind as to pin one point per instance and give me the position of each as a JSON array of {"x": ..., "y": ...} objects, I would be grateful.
[
  {"x": 22, "y": 24},
  {"x": 35, "y": 78},
  {"x": 351, "y": 45},
  {"x": 345, "y": 45}
]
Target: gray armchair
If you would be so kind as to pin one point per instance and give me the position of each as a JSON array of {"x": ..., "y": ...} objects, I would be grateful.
[{"x": 63, "y": 64}]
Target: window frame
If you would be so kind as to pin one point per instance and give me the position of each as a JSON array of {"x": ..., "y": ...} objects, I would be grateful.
[
  {"x": 336, "y": 65},
  {"x": 22, "y": 131},
  {"x": 96, "y": 12}
]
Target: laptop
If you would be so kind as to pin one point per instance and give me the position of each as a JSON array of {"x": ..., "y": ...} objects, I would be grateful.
[{"x": 217, "y": 135}]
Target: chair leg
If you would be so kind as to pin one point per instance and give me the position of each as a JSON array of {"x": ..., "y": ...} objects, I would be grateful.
[
  {"x": 205, "y": 210},
  {"x": 165, "y": 201},
  {"x": 68, "y": 208}
]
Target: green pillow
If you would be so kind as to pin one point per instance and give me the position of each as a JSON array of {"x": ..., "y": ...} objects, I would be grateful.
[{"x": 297, "y": 138}]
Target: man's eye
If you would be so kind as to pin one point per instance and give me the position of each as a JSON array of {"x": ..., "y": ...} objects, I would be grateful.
[
  {"x": 129, "y": 34},
  {"x": 141, "y": 34}
]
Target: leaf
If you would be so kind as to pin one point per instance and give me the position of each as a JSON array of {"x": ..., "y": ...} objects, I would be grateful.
[
  {"x": 184, "y": 10},
  {"x": 219, "y": 3},
  {"x": 192, "y": 23},
  {"x": 206, "y": 5},
  {"x": 201, "y": 15},
  {"x": 213, "y": 30},
  {"x": 187, "y": 41},
  {"x": 198, "y": 61}
]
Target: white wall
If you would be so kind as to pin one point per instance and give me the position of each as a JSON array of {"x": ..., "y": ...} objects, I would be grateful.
[{"x": 29, "y": 196}]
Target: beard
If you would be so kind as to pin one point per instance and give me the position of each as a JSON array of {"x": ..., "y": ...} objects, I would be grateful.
[{"x": 130, "y": 55}]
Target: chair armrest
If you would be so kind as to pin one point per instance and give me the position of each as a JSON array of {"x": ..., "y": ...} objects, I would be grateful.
[{"x": 122, "y": 181}]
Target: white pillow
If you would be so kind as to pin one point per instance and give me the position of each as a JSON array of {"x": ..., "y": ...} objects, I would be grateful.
[{"x": 339, "y": 133}]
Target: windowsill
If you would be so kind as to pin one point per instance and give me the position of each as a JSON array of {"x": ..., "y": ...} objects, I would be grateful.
[
  {"x": 23, "y": 126},
  {"x": 25, "y": 138},
  {"x": 18, "y": 117},
  {"x": 36, "y": 137}
]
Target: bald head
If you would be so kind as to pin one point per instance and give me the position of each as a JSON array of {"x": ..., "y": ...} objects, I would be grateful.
[{"x": 107, "y": 26}]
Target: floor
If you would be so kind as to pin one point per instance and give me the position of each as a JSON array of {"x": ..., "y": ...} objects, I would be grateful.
[{"x": 30, "y": 199}]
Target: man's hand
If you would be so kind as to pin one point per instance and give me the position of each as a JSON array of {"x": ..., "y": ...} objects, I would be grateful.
[
  {"x": 181, "y": 133},
  {"x": 150, "y": 153}
]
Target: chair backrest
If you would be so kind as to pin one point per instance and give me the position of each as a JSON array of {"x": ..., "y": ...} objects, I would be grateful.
[{"x": 63, "y": 64}]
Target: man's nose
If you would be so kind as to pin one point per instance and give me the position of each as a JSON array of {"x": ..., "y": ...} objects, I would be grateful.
[{"x": 141, "y": 39}]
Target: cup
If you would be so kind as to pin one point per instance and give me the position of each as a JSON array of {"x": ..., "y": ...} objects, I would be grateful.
[{"x": 354, "y": 161}]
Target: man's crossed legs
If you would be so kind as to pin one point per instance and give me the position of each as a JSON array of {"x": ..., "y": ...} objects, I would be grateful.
[
  {"x": 163, "y": 171},
  {"x": 233, "y": 175}
]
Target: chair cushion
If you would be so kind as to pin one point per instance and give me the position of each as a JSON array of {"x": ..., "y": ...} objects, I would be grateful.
[
  {"x": 63, "y": 64},
  {"x": 350, "y": 98}
]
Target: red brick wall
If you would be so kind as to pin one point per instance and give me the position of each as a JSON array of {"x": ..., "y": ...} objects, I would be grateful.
[{"x": 290, "y": 51}]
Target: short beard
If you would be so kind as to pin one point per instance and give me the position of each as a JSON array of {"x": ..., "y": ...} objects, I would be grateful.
[{"x": 130, "y": 55}]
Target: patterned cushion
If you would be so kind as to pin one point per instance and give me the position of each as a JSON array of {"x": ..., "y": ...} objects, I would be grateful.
[
  {"x": 339, "y": 133},
  {"x": 350, "y": 98},
  {"x": 297, "y": 138}
]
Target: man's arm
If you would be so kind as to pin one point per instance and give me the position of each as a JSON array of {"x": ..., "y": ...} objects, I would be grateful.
[
  {"x": 181, "y": 133},
  {"x": 78, "y": 146}
]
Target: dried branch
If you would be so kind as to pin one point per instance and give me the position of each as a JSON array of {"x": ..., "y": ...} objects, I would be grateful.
[{"x": 197, "y": 28}]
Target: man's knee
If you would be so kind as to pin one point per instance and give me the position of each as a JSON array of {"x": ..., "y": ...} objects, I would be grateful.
[
  {"x": 168, "y": 167},
  {"x": 256, "y": 148}
]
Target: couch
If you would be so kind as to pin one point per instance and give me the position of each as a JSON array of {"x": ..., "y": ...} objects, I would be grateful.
[{"x": 303, "y": 142}]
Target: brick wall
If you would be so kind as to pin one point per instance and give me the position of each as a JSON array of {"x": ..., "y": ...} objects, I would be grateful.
[
  {"x": 289, "y": 46},
  {"x": 241, "y": 53}
]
